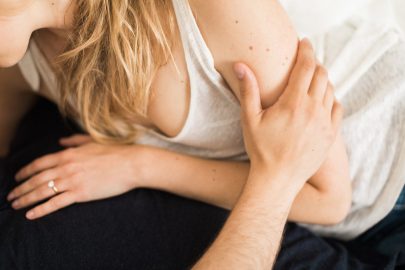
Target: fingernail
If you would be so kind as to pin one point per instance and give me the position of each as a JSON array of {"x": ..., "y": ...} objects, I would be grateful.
[
  {"x": 30, "y": 214},
  {"x": 239, "y": 71},
  {"x": 10, "y": 196},
  {"x": 15, "y": 204}
]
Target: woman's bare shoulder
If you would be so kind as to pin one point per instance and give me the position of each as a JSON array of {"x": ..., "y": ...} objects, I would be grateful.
[{"x": 257, "y": 32}]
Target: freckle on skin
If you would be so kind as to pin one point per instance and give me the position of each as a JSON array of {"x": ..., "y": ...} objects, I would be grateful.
[
  {"x": 267, "y": 50},
  {"x": 251, "y": 48},
  {"x": 236, "y": 21}
]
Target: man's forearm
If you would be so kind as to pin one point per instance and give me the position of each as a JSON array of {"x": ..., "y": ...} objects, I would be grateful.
[{"x": 251, "y": 237}]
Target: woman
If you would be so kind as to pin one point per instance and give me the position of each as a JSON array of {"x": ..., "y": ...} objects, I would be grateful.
[
  {"x": 114, "y": 56},
  {"x": 114, "y": 74}
]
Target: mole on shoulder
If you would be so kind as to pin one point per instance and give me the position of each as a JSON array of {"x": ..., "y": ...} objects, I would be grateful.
[
  {"x": 251, "y": 48},
  {"x": 236, "y": 21}
]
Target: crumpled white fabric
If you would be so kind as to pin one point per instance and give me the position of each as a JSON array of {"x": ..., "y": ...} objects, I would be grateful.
[
  {"x": 375, "y": 30},
  {"x": 350, "y": 37},
  {"x": 315, "y": 17}
]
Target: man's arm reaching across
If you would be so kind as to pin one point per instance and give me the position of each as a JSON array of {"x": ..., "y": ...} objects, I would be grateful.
[
  {"x": 286, "y": 143},
  {"x": 260, "y": 34}
]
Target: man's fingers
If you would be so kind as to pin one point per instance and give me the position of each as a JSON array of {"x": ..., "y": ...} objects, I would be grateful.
[
  {"x": 319, "y": 84},
  {"x": 249, "y": 92},
  {"x": 329, "y": 98},
  {"x": 303, "y": 71},
  {"x": 337, "y": 116}
]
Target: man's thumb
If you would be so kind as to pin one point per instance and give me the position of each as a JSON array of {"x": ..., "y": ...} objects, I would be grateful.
[{"x": 249, "y": 91}]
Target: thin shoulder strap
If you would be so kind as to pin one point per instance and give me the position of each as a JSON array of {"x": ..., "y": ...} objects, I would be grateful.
[
  {"x": 193, "y": 41},
  {"x": 29, "y": 71}
]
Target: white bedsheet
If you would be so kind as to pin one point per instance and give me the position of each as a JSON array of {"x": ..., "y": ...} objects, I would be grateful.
[
  {"x": 359, "y": 42},
  {"x": 399, "y": 13},
  {"x": 314, "y": 17}
]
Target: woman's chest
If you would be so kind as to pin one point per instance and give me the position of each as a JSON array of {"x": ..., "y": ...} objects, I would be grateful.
[{"x": 170, "y": 94}]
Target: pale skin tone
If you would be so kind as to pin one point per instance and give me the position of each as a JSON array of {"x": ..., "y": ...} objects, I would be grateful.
[
  {"x": 250, "y": 238},
  {"x": 231, "y": 36}
]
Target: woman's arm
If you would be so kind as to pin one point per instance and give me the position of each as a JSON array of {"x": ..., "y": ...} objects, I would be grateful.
[
  {"x": 221, "y": 182},
  {"x": 259, "y": 33},
  {"x": 251, "y": 236},
  {"x": 79, "y": 178}
]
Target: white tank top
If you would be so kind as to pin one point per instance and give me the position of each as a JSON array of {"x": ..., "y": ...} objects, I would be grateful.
[{"x": 212, "y": 128}]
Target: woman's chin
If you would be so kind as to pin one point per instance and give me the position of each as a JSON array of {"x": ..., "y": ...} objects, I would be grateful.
[
  {"x": 6, "y": 63},
  {"x": 10, "y": 60}
]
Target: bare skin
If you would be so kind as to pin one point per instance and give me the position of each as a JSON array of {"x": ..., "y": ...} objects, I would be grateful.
[
  {"x": 326, "y": 190},
  {"x": 250, "y": 238}
]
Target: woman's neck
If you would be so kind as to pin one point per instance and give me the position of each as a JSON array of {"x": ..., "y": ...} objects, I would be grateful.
[{"x": 52, "y": 39}]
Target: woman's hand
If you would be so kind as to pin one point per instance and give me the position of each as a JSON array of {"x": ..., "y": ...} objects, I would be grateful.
[
  {"x": 294, "y": 135},
  {"x": 84, "y": 172}
]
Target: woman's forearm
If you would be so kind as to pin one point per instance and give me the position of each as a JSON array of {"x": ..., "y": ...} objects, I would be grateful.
[
  {"x": 221, "y": 182},
  {"x": 215, "y": 182}
]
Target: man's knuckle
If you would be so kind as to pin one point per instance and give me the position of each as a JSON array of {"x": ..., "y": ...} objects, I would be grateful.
[
  {"x": 308, "y": 63},
  {"x": 322, "y": 72}
]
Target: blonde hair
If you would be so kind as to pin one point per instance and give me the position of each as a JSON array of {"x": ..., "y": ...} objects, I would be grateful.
[{"x": 113, "y": 55}]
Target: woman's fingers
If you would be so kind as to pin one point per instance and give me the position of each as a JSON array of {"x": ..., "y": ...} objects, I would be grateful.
[
  {"x": 75, "y": 140},
  {"x": 319, "y": 84},
  {"x": 40, "y": 193},
  {"x": 33, "y": 183},
  {"x": 249, "y": 92},
  {"x": 303, "y": 71},
  {"x": 42, "y": 164},
  {"x": 58, "y": 202}
]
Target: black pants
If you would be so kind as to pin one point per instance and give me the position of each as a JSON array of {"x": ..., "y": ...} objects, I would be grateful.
[{"x": 143, "y": 229}]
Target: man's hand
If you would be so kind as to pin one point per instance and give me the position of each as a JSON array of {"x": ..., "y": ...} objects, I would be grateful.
[
  {"x": 295, "y": 134},
  {"x": 287, "y": 143}
]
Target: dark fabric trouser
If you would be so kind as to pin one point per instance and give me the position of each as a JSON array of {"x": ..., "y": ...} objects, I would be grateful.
[{"x": 143, "y": 229}]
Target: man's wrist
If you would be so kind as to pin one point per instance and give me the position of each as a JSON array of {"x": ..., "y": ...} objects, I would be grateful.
[{"x": 270, "y": 179}]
